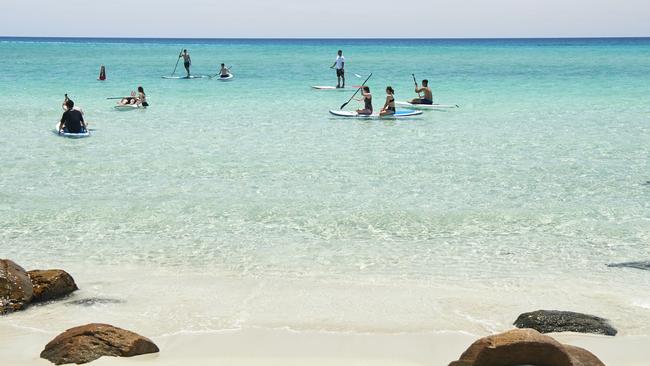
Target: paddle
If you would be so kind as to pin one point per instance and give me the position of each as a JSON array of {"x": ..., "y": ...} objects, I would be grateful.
[
  {"x": 355, "y": 93},
  {"x": 415, "y": 81},
  {"x": 178, "y": 59},
  {"x": 115, "y": 98}
]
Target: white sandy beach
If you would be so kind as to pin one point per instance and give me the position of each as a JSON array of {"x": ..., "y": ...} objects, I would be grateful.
[{"x": 251, "y": 347}]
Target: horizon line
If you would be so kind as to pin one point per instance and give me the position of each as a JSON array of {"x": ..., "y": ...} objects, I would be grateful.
[{"x": 332, "y": 38}]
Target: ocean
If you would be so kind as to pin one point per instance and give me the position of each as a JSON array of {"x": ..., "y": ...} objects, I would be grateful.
[{"x": 245, "y": 204}]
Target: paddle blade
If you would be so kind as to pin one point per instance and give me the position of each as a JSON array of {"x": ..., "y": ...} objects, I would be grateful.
[{"x": 344, "y": 104}]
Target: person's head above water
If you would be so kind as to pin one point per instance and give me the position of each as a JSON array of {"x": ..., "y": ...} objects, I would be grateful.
[
  {"x": 390, "y": 90},
  {"x": 340, "y": 53},
  {"x": 141, "y": 89},
  {"x": 184, "y": 51},
  {"x": 366, "y": 89},
  {"x": 425, "y": 82},
  {"x": 223, "y": 65},
  {"x": 69, "y": 103}
]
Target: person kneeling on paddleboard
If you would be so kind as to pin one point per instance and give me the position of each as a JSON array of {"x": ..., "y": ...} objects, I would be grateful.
[
  {"x": 224, "y": 72},
  {"x": 389, "y": 106},
  {"x": 72, "y": 121},
  {"x": 428, "y": 95},
  {"x": 187, "y": 61},
  {"x": 367, "y": 101}
]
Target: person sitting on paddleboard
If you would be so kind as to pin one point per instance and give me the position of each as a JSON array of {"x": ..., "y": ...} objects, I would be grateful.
[
  {"x": 187, "y": 61},
  {"x": 367, "y": 101},
  {"x": 339, "y": 63},
  {"x": 72, "y": 121},
  {"x": 389, "y": 106},
  {"x": 224, "y": 72},
  {"x": 428, "y": 96},
  {"x": 141, "y": 99}
]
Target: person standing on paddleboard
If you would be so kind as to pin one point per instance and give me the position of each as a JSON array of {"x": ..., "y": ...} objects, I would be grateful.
[
  {"x": 187, "y": 61},
  {"x": 339, "y": 64},
  {"x": 428, "y": 95}
]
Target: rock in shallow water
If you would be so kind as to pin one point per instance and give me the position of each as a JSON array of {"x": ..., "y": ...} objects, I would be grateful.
[
  {"x": 51, "y": 284},
  {"x": 89, "y": 342},
  {"x": 524, "y": 347},
  {"x": 16, "y": 289},
  {"x": 645, "y": 265},
  {"x": 549, "y": 321}
]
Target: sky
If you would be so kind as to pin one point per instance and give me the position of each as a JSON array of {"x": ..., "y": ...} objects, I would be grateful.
[{"x": 325, "y": 18}]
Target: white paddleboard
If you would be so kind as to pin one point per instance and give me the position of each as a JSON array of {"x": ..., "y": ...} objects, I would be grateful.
[
  {"x": 323, "y": 87},
  {"x": 185, "y": 77},
  {"x": 398, "y": 114},
  {"x": 226, "y": 78},
  {"x": 70, "y": 135},
  {"x": 128, "y": 107},
  {"x": 427, "y": 106}
]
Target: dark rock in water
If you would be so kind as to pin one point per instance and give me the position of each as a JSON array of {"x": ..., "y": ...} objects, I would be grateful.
[
  {"x": 94, "y": 301},
  {"x": 524, "y": 347},
  {"x": 549, "y": 321},
  {"x": 51, "y": 284},
  {"x": 89, "y": 342},
  {"x": 645, "y": 265},
  {"x": 16, "y": 290}
]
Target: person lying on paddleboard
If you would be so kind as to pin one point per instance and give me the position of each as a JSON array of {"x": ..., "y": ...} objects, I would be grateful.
[
  {"x": 72, "y": 121},
  {"x": 428, "y": 95},
  {"x": 339, "y": 63},
  {"x": 367, "y": 101},
  {"x": 224, "y": 72},
  {"x": 139, "y": 99},
  {"x": 187, "y": 61},
  {"x": 389, "y": 105}
]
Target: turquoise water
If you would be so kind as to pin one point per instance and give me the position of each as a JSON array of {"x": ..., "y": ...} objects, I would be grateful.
[{"x": 245, "y": 203}]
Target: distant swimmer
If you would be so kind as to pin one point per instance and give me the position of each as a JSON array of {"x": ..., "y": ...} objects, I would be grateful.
[
  {"x": 187, "y": 61},
  {"x": 339, "y": 64},
  {"x": 72, "y": 121},
  {"x": 102, "y": 73},
  {"x": 367, "y": 101},
  {"x": 389, "y": 105},
  {"x": 428, "y": 96},
  {"x": 136, "y": 99},
  {"x": 224, "y": 72}
]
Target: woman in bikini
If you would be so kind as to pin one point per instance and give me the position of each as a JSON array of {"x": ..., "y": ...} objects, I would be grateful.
[{"x": 389, "y": 106}]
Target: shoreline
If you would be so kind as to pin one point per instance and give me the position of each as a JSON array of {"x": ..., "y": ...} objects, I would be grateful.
[{"x": 257, "y": 346}]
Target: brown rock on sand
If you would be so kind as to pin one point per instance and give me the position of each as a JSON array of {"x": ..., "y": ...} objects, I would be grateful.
[
  {"x": 524, "y": 347},
  {"x": 15, "y": 287},
  {"x": 51, "y": 284},
  {"x": 89, "y": 342}
]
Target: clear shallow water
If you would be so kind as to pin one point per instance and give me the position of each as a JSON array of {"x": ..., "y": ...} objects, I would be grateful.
[{"x": 246, "y": 204}]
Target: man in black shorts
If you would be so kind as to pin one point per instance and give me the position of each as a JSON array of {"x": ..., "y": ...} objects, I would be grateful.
[
  {"x": 72, "y": 120},
  {"x": 427, "y": 98},
  {"x": 187, "y": 61},
  {"x": 339, "y": 63}
]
